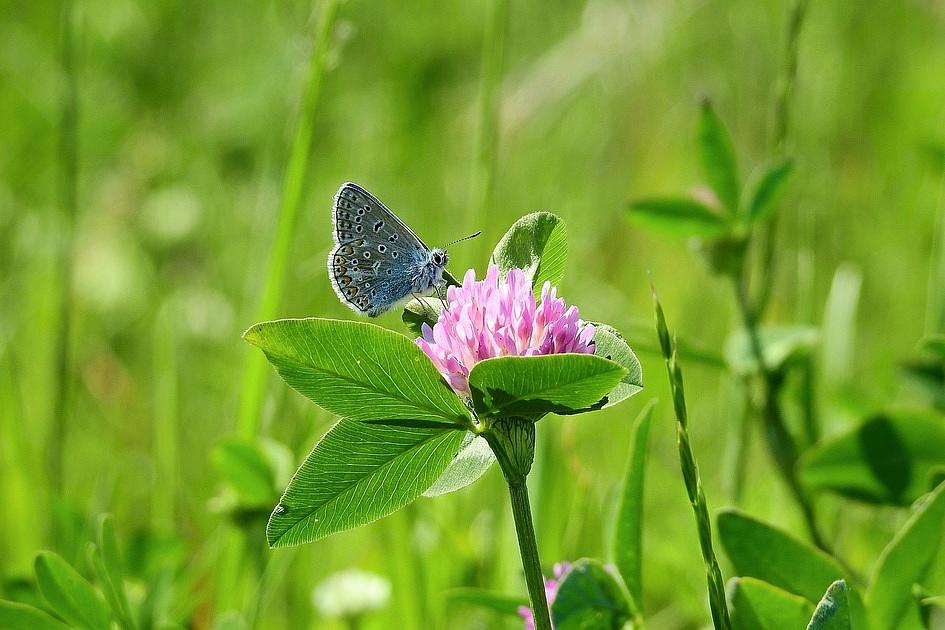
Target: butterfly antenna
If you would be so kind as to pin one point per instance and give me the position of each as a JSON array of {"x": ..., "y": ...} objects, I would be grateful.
[{"x": 465, "y": 238}]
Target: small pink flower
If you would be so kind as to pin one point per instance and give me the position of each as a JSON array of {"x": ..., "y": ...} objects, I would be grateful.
[
  {"x": 489, "y": 318},
  {"x": 551, "y": 591}
]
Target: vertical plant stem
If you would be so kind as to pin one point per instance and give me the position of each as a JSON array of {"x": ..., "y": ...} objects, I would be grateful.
[
  {"x": 513, "y": 442},
  {"x": 255, "y": 369},
  {"x": 489, "y": 104},
  {"x": 779, "y": 440},
  {"x": 68, "y": 201},
  {"x": 528, "y": 547},
  {"x": 690, "y": 472}
]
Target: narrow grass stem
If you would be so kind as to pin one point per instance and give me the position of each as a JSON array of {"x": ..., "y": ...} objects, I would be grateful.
[
  {"x": 488, "y": 111},
  {"x": 68, "y": 199},
  {"x": 690, "y": 472},
  {"x": 255, "y": 369}
]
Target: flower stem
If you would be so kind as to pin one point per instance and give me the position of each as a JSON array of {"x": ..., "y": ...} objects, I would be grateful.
[
  {"x": 528, "y": 547},
  {"x": 513, "y": 442}
]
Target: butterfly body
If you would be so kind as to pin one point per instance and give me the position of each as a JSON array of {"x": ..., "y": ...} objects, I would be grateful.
[{"x": 377, "y": 260}]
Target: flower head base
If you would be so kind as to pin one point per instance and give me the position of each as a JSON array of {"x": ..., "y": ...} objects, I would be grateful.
[
  {"x": 551, "y": 592},
  {"x": 489, "y": 318}
]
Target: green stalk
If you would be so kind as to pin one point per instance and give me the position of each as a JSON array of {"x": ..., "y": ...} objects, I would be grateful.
[
  {"x": 255, "y": 368},
  {"x": 690, "y": 472},
  {"x": 513, "y": 442},
  {"x": 68, "y": 200},
  {"x": 489, "y": 102},
  {"x": 779, "y": 440}
]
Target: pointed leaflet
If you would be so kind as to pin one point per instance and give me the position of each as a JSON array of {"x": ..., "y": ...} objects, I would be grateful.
[
  {"x": 469, "y": 464},
  {"x": 531, "y": 386},
  {"x": 905, "y": 561},
  {"x": 628, "y": 532},
  {"x": 833, "y": 611},
  {"x": 677, "y": 217},
  {"x": 757, "y": 605},
  {"x": 356, "y": 474},
  {"x": 768, "y": 188},
  {"x": 885, "y": 460},
  {"x": 761, "y": 551},
  {"x": 538, "y": 245},
  {"x": 718, "y": 157},
  {"x": 70, "y": 594},
  {"x": 357, "y": 370}
]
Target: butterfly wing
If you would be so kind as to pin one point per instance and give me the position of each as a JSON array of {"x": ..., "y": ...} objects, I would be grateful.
[{"x": 375, "y": 253}]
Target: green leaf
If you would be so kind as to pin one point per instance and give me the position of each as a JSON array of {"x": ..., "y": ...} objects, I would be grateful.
[
  {"x": 610, "y": 344},
  {"x": 886, "y": 460},
  {"x": 628, "y": 532},
  {"x": 17, "y": 616},
  {"x": 358, "y": 370},
  {"x": 677, "y": 217},
  {"x": 244, "y": 466},
  {"x": 768, "y": 188},
  {"x": 469, "y": 464},
  {"x": 504, "y": 604},
  {"x": 538, "y": 245},
  {"x": 779, "y": 344},
  {"x": 761, "y": 551},
  {"x": 905, "y": 561},
  {"x": 356, "y": 474},
  {"x": 109, "y": 572},
  {"x": 589, "y": 598},
  {"x": 718, "y": 157},
  {"x": 757, "y": 605},
  {"x": 553, "y": 383},
  {"x": 70, "y": 594},
  {"x": 420, "y": 311},
  {"x": 833, "y": 611}
]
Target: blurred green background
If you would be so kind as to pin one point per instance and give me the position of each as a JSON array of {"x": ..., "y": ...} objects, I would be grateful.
[{"x": 186, "y": 116}]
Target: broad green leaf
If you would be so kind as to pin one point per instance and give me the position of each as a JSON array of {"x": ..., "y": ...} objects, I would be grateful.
[
  {"x": 538, "y": 245},
  {"x": 718, "y": 157},
  {"x": 905, "y": 561},
  {"x": 356, "y": 474},
  {"x": 833, "y": 611},
  {"x": 628, "y": 531},
  {"x": 768, "y": 188},
  {"x": 757, "y": 605},
  {"x": 779, "y": 344},
  {"x": 589, "y": 598},
  {"x": 109, "y": 571},
  {"x": 469, "y": 464},
  {"x": 70, "y": 594},
  {"x": 420, "y": 311},
  {"x": 17, "y": 616},
  {"x": 244, "y": 466},
  {"x": 610, "y": 344},
  {"x": 554, "y": 383},
  {"x": 358, "y": 370},
  {"x": 497, "y": 602},
  {"x": 677, "y": 217},
  {"x": 761, "y": 551},
  {"x": 885, "y": 460}
]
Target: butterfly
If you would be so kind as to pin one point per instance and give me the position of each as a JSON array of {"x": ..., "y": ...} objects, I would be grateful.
[{"x": 377, "y": 260}]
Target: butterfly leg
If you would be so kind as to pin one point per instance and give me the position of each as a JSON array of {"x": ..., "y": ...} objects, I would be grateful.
[{"x": 439, "y": 294}]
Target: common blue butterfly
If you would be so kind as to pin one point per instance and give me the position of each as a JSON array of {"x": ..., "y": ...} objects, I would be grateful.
[{"x": 378, "y": 261}]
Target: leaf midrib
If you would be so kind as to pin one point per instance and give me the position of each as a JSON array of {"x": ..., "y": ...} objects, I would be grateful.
[{"x": 397, "y": 396}]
